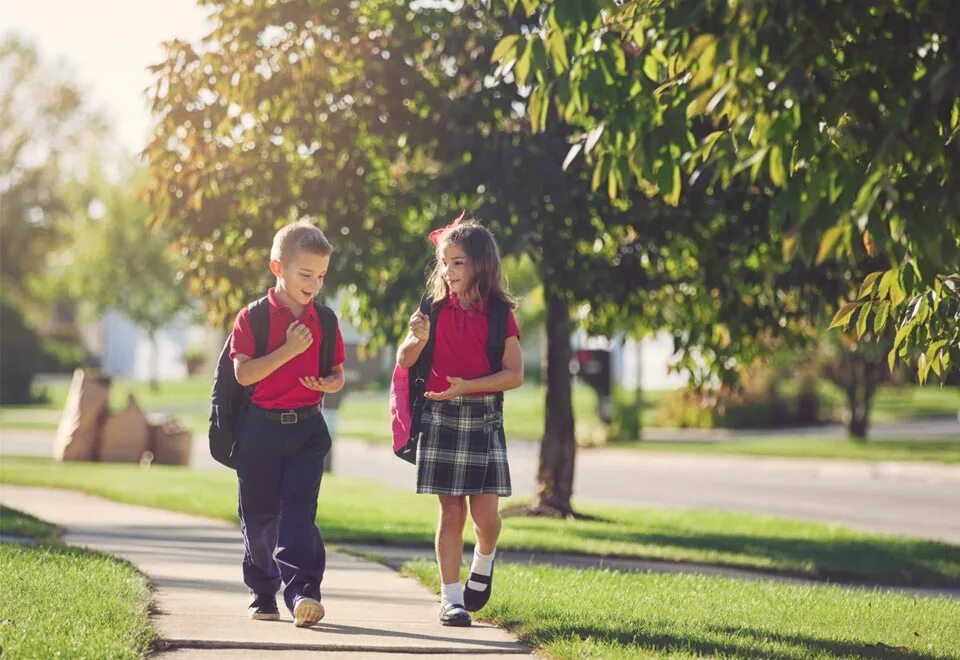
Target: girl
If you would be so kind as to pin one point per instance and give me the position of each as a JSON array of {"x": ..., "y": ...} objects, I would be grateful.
[{"x": 462, "y": 452}]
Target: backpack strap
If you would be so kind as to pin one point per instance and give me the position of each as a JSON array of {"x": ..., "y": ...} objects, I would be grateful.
[
  {"x": 328, "y": 340},
  {"x": 497, "y": 336},
  {"x": 260, "y": 325},
  {"x": 422, "y": 367}
]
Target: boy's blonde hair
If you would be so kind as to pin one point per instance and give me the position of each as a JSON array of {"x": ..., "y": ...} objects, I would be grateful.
[{"x": 300, "y": 235}]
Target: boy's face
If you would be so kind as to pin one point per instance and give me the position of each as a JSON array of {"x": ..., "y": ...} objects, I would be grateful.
[
  {"x": 457, "y": 268},
  {"x": 301, "y": 277}
]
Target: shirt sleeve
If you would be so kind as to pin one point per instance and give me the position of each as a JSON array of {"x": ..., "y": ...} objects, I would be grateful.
[
  {"x": 241, "y": 338},
  {"x": 339, "y": 356},
  {"x": 513, "y": 330}
]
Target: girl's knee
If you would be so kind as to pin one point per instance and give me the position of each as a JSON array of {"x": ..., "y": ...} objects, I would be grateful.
[{"x": 453, "y": 509}]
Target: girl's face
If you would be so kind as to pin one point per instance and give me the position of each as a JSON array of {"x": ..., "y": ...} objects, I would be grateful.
[{"x": 457, "y": 268}]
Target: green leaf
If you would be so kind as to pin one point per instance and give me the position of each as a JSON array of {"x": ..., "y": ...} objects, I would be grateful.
[
  {"x": 923, "y": 368},
  {"x": 880, "y": 318},
  {"x": 843, "y": 315},
  {"x": 827, "y": 243},
  {"x": 862, "y": 320},
  {"x": 891, "y": 358},
  {"x": 672, "y": 196},
  {"x": 778, "y": 174},
  {"x": 708, "y": 143},
  {"x": 506, "y": 49},
  {"x": 902, "y": 333},
  {"x": 522, "y": 68},
  {"x": 933, "y": 348},
  {"x": 885, "y": 282},
  {"x": 868, "y": 283},
  {"x": 651, "y": 68},
  {"x": 557, "y": 47}
]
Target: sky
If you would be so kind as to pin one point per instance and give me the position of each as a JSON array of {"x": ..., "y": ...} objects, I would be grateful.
[{"x": 105, "y": 46}]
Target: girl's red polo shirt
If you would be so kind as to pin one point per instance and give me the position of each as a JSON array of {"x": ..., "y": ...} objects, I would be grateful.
[
  {"x": 282, "y": 390},
  {"x": 460, "y": 343}
]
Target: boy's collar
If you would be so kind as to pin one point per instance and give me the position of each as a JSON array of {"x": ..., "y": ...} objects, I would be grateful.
[{"x": 276, "y": 305}]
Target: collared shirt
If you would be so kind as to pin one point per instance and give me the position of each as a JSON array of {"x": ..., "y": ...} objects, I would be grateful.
[
  {"x": 282, "y": 390},
  {"x": 460, "y": 343}
]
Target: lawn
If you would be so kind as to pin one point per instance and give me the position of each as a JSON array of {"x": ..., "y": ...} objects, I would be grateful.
[
  {"x": 366, "y": 511},
  {"x": 569, "y": 613},
  {"x": 57, "y": 601}
]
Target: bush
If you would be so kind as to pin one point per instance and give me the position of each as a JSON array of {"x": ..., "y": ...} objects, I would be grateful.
[
  {"x": 20, "y": 356},
  {"x": 626, "y": 422},
  {"x": 61, "y": 356},
  {"x": 766, "y": 399},
  {"x": 194, "y": 358},
  {"x": 685, "y": 409}
]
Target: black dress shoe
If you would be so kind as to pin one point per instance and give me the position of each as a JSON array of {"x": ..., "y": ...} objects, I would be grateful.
[
  {"x": 263, "y": 607},
  {"x": 454, "y": 615},
  {"x": 474, "y": 599}
]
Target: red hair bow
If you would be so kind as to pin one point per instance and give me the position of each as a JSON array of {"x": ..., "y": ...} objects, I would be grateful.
[{"x": 437, "y": 233}]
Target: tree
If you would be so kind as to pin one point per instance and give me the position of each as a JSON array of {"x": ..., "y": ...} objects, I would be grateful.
[
  {"x": 836, "y": 114},
  {"x": 297, "y": 109},
  {"x": 40, "y": 149},
  {"x": 114, "y": 260}
]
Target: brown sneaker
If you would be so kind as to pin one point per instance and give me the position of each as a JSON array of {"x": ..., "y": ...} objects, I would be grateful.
[{"x": 306, "y": 611}]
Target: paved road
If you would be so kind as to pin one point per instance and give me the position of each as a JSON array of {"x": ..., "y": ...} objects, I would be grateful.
[{"x": 916, "y": 499}]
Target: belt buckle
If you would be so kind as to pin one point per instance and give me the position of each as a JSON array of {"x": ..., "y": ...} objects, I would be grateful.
[{"x": 289, "y": 417}]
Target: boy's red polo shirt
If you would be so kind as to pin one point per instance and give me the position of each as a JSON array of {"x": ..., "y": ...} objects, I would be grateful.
[
  {"x": 460, "y": 343},
  {"x": 282, "y": 388}
]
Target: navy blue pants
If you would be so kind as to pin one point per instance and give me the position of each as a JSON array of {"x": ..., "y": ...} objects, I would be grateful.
[{"x": 279, "y": 467}]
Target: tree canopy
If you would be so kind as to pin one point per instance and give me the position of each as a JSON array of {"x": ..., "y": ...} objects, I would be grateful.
[{"x": 836, "y": 120}]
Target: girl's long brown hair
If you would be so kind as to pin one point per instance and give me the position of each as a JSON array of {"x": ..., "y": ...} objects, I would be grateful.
[{"x": 480, "y": 245}]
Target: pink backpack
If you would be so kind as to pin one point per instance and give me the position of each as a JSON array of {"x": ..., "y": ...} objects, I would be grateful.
[{"x": 406, "y": 395}]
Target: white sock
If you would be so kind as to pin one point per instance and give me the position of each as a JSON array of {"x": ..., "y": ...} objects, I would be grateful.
[
  {"x": 451, "y": 594},
  {"x": 482, "y": 564}
]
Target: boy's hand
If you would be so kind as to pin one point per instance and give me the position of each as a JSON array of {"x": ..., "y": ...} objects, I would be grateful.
[
  {"x": 299, "y": 338},
  {"x": 328, "y": 385},
  {"x": 420, "y": 325},
  {"x": 458, "y": 387}
]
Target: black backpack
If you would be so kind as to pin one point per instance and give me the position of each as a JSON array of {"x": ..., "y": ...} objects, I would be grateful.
[
  {"x": 496, "y": 339},
  {"x": 229, "y": 400}
]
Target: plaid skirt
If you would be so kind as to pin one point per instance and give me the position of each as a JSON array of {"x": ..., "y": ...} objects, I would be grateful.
[{"x": 462, "y": 450}]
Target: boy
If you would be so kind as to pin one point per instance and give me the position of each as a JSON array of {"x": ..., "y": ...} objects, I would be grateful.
[{"x": 283, "y": 438}]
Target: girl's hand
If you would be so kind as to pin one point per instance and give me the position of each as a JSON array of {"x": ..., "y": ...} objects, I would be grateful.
[
  {"x": 420, "y": 325},
  {"x": 458, "y": 387},
  {"x": 299, "y": 338},
  {"x": 327, "y": 385}
]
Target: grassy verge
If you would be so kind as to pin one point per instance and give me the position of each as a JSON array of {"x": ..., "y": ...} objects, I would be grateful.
[
  {"x": 17, "y": 523},
  {"x": 946, "y": 450},
  {"x": 57, "y": 601},
  {"x": 568, "y": 613},
  {"x": 366, "y": 511}
]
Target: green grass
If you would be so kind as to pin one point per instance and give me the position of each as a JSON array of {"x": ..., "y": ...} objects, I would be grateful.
[
  {"x": 57, "y": 601},
  {"x": 366, "y": 511},
  {"x": 568, "y": 613},
  {"x": 17, "y": 523},
  {"x": 946, "y": 450}
]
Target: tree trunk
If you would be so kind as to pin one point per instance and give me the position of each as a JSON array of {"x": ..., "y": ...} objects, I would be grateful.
[
  {"x": 154, "y": 363},
  {"x": 865, "y": 374},
  {"x": 558, "y": 447}
]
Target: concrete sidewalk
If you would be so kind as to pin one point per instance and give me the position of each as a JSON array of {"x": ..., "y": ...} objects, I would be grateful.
[{"x": 200, "y": 600}]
